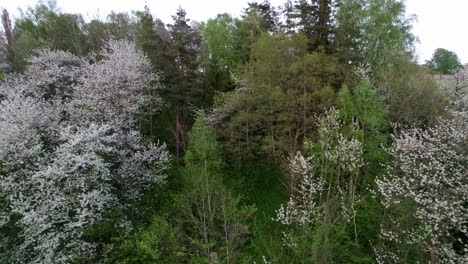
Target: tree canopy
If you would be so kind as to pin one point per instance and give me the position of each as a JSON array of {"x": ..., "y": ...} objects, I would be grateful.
[
  {"x": 303, "y": 133},
  {"x": 444, "y": 62}
]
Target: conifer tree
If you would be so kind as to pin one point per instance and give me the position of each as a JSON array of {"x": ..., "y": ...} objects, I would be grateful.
[
  {"x": 315, "y": 19},
  {"x": 183, "y": 89}
]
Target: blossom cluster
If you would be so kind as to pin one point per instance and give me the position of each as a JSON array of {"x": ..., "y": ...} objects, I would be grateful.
[
  {"x": 429, "y": 173},
  {"x": 302, "y": 207},
  {"x": 342, "y": 154},
  {"x": 68, "y": 142}
]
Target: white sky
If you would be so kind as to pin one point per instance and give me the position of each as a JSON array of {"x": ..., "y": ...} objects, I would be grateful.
[{"x": 440, "y": 24}]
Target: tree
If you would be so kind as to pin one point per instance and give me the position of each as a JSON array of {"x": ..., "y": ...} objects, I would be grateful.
[
  {"x": 456, "y": 89},
  {"x": 314, "y": 19},
  {"x": 151, "y": 44},
  {"x": 280, "y": 91},
  {"x": 7, "y": 42},
  {"x": 212, "y": 215},
  {"x": 323, "y": 198},
  {"x": 183, "y": 89},
  {"x": 248, "y": 30},
  {"x": 122, "y": 26},
  {"x": 268, "y": 14},
  {"x": 444, "y": 62},
  {"x": 47, "y": 27},
  {"x": 427, "y": 184},
  {"x": 412, "y": 96},
  {"x": 364, "y": 106},
  {"x": 158, "y": 242},
  {"x": 96, "y": 34},
  {"x": 147, "y": 38},
  {"x": 373, "y": 34},
  {"x": 218, "y": 55},
  {"x": 70, "y": 151}
]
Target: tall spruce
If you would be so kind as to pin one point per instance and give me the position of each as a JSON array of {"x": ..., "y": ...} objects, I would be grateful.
[
  {"x": 315, "y": 19},
  {"x": 183, "y": 88},
  {"x": 149, "y": 42}
]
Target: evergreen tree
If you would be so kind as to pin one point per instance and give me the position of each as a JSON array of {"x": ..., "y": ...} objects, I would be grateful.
[
  {"x": 315, "y": 19},
  {"x": 151, "y": 44},
  {"x": 183, "y": 89}
]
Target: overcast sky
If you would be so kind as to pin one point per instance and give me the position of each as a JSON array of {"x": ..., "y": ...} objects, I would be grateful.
[{"x": 440, "y": 24}]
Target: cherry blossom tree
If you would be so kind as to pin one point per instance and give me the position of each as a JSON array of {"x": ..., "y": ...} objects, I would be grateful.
[
  {"x": 455, "y": 87},
  {"x": 70, "y": 149},
  {"x": 429, "y": 178},
  {"x": 326, "y": 180},
  {"x": 115, "y": 88}
]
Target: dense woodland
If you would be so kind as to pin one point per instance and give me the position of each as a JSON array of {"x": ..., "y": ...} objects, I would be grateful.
[{"x": 305, "y": 133}]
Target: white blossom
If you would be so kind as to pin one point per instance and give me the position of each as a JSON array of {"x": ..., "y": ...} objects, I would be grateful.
[
  {"x": 430, "y": 170},
  {"x": 341, "y": 155},
  {"x": 67, "y": 140},
  {"x": 113, "y": 89},
  {"x": 302, "y": 207},
  {"x": 64, "y": 195}
]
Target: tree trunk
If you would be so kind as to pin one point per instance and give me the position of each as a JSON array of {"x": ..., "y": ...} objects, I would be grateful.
[{"x": 179, "y": 132}]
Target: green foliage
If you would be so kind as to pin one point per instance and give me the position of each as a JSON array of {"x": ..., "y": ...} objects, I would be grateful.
[
  {"x": 45, "y": 25},
  {"x": 218, "y": 40},
  {"x": 203, "y": 149},
  {"x": 283, "y": 87},
  {"x": 444, "y": 62},
  {"x": 211, "y": 215},
  {"x": 371, "y": 113},
  {"x": 413, "y": 98},
  {"x": 59, "y": 30},
  {"x": 182, "y": 88},
  {"x": 373, "y": 33},
  {"x": 97, "y": 34},
  {"x": 314, "y": 19},
  {"x": 267, "y": 82},
  {"x": 147, "y": 38},
  {"x": 158, "y": 243},
  {"x": 217, "y": 55},
  {"x": 326, "y": 243},
  {"x": 262, "y": 185},
  {"x": 121, "y": 26}
]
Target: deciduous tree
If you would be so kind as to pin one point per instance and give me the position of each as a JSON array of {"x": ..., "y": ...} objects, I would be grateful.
[
  {"x": 444, "y": 62},
  {"x": 428, "y": 180},
  {"x": 70, "y": 150}
]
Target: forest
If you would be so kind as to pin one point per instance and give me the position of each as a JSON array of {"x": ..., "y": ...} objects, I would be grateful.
[{"x": 303, "y": 133}]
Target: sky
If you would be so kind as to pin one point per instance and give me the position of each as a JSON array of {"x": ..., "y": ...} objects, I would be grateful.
[{"x": 439, "y": 24}]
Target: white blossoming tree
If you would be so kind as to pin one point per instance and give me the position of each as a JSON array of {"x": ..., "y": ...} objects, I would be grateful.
[
  {"x": 456, "y": 88},
  {"x": 326, "y": 189},
  {"x": 70, "y": 150},
  {"x": 428, "y": 177}
]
